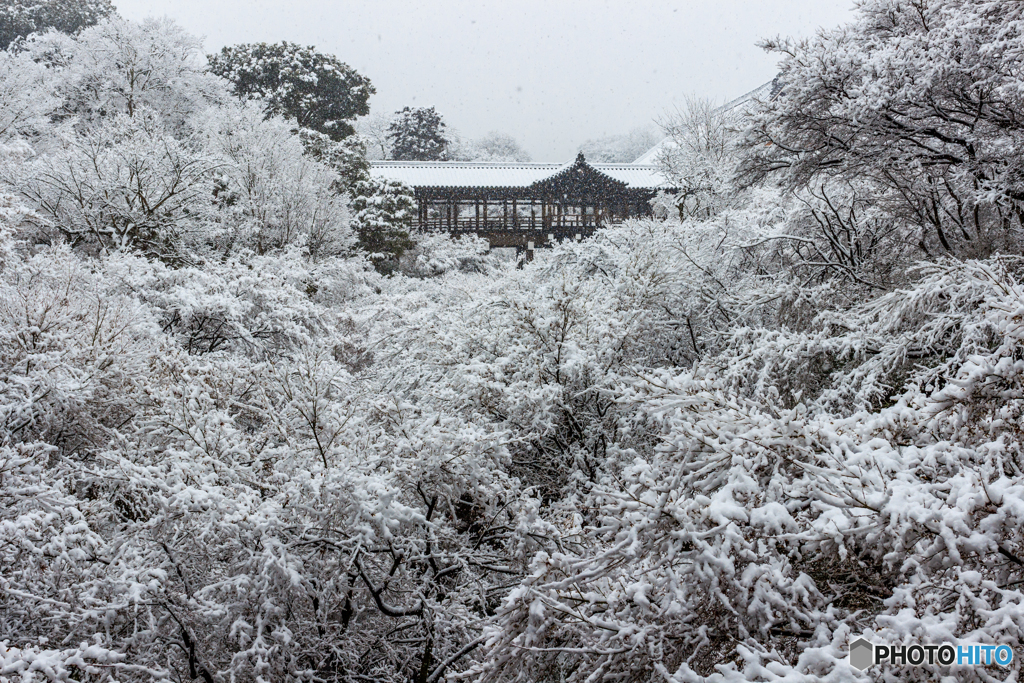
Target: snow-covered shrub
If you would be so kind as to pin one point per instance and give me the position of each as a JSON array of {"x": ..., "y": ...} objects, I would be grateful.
[
  {"x": 119, "y": 67},
  {"x": 268, "y": 193},
  {"x": 435, "y": 253},
  {"x": 712, "y": 448},
  {"x": 917, "y": 99},
  {"x": 384, "y": 212},
  {"x": 757, "y": 538},
  {"x": 123, "y": 184}
]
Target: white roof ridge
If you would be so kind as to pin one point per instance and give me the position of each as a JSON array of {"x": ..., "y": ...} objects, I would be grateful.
[
  {"x": 770, "y": 88},
  {"x": 505, "y": 164},
  {"x": 507, "y": 174},
  {"x": 452, "y": 164}
]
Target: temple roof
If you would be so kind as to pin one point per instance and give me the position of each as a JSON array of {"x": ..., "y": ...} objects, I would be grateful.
[
  {"x": 511, "y": 174},
  {"x": 763, "y": 93}
]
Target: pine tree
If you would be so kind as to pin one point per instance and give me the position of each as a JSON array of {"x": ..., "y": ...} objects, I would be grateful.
[
  {"x": 384, "y": 211},
  {"x": 315, "y": 90},
  {"x": 418, "y": 135}
]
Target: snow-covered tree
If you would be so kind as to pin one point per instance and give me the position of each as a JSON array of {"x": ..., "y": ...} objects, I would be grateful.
[
  {"x": 271, "y": 192},
  {"x": 435, "y": 253},
  {"x": 348, "y": 158},
  {"x": 126, "y": 184},
  {"x": 120, "y": 67},
  {"x": 495, "y": 146},
  {"x": 26, "y": 96},
  {"x": 621, "y": 149},
  {"x": 384, "y": 212},
  {"x": 149, "y": 152},
  {"x": 19, "y": 18},
  {"x": 699, "y": 158},
  {"x": 417, "y": 135},
  {"x": 919, "y": 98},
  {"x": 374, "y": 130},
  {"x": 315, "y": 90}
]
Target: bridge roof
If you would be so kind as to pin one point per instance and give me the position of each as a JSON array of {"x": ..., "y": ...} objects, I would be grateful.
[{"x": 512, "y": 174}]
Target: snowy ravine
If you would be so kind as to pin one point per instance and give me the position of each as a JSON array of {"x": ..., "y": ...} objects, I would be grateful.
[{"x": 715, "y": 446}]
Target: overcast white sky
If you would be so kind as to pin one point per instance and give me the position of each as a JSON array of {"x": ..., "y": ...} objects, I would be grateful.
[{"x": 551, "y": 73}]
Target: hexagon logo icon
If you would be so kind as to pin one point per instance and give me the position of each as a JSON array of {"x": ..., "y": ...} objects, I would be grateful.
[{"x": 862, "y": 654}]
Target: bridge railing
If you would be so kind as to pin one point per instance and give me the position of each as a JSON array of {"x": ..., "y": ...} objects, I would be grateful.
[{"x": 463, "y": 223}]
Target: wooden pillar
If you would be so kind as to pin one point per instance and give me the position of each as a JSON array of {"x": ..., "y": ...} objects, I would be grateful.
[
  {"x": 515, "y": 214},
  {"x": 504, "y": 209}
]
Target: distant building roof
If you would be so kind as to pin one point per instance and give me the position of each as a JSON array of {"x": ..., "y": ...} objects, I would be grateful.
[
  {"x": 502, "y": 174},
  {"x": 768, "y": 91},
  {"x": 651, "y": 155},
  {"x": 763, "y": 93}
]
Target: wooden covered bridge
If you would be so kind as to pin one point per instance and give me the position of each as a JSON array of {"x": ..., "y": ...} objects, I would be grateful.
[{"x": 524, "y": 205}]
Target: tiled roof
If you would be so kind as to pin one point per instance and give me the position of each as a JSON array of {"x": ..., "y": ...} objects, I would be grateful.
[
  {"x": 473, "y": 174},
  {"x": 767, "y": 92},
  {"x": 651, "y": 155},
  {"x": 635, "y": 175}
]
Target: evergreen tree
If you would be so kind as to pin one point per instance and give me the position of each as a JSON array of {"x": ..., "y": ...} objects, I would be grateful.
[
  {"x": 384, "y": 211},
  {"x": 418, "y": 135},
  {"x": 347, "y": 158},
  {"x": 19, "y": 18},
  {"x": 317, "y": 91}
]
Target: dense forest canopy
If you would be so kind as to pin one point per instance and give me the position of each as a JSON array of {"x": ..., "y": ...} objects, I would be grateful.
[
  {"x": 253, "y": 428},
  {"x": 21, "y": 18}
]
